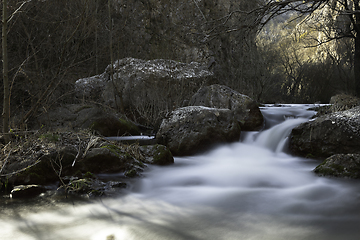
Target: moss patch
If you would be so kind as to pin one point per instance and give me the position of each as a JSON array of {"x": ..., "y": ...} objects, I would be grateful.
[
  {"x": 162, "y": 155},
  {"x": 114, "y": 149}
]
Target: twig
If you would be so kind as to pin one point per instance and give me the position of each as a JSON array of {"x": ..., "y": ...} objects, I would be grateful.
[
  {"x": 78, "y": 154},
  {"x": 6, "y": 159},
  {"x": 200, "y": 10},
  {"x": 4, "y": 148},
  {"x": 91, "y": 143}
]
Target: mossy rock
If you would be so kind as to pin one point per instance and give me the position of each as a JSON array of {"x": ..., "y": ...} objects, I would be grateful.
[
  {"x": 111, "y": 126},
  {"x": 340, "y": 165},
  {"x": 107, "y": 159},
  {"x": 157, "y": 154},
  {"x": 132, "y": 173}
]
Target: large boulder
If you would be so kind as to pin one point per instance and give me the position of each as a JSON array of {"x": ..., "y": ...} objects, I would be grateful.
[
  {"x": 340, "y": 165},
  {"x": 188, "y": 130},
  {"x": 245, "y": 109},
  {"x": 330, "y": 134},
  {"x": 146, "y": 89}
]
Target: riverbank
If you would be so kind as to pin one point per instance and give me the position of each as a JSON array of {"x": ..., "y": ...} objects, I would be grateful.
[{"x": 35, "y": 162}]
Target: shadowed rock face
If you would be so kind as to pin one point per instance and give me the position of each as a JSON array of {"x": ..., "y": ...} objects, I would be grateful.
[
  {"x": 245, "y": 109},
  {"x": 166, "y": 82},
  {"x": 327, "y": 135},
  {"x": 191, "y": 129}
]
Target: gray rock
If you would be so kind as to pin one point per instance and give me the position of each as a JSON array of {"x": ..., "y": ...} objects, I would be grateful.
[
  {"x": 107, "y": 159},
  {"x": 157, "y": 154},
  {"x": 191, "y": 129},
  {"x": 245, "y": 109},
  {"x": 91, "y": 87},
  {"x": 138, "y": 85},
  {"x": 340, "y": 165},
  {"x": 27, "y": 191},
  {"x": 330, "y": 134}
]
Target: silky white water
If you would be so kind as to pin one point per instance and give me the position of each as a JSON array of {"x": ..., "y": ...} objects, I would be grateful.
[{"x": 248, "y": 190}]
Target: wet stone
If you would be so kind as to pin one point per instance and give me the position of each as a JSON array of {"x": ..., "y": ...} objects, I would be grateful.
[{"x": 27, "y": 191}]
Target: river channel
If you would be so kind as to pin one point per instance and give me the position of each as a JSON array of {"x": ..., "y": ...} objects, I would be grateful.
[{"x": 249, "y": 190}]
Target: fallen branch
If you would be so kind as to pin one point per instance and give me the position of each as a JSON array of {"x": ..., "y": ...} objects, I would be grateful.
[{"x": 19, "y": 171}]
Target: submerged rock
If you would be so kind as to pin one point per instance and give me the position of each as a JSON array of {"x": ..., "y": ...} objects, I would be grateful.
[
  {"x": 330, "y": 134},
  {"x": 245, "y": 109},
  {"x": 188, "y": 130},
  {"x": 340, "y": 165}
]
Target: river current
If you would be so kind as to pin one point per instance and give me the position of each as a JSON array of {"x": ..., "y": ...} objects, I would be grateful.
[{"x": 249, "y": 190}]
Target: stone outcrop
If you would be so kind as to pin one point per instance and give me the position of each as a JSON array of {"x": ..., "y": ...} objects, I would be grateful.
[
  {"x": 137, "y": 85},
  {"x": 191, "y": 129},
  {"x": 340, "y": 165},
  {"x": 245, "y": 109},
  {"x": 335, "y": 133}
]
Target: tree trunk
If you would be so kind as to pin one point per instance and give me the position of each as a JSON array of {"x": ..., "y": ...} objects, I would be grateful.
[
  {"x": 357, "y": 65},
  {"x": 357, "y": 49},
  {"x": 6, "y": 103}
]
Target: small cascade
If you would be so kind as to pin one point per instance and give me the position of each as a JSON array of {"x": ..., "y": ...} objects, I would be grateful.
[{"x": 276, "y": 137}]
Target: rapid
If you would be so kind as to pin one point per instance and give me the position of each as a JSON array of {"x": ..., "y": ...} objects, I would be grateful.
[{"x": 249, "y": 190}]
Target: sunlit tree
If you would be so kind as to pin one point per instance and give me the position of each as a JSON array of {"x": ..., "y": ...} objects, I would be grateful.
[{"x": 337, "y": 19}]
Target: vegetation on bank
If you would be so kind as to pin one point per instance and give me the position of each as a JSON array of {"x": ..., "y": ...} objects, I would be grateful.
[{"x": 70, "y": 161}]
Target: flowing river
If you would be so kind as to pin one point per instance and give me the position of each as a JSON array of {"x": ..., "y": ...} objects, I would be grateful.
[{"x": 249, "y": 190}]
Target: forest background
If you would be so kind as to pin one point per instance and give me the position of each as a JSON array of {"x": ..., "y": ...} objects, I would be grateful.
[{"x": 272, "y": 51}]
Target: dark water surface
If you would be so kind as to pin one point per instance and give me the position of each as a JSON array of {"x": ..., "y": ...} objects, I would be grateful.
[{"x": 249, "y": 190}]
